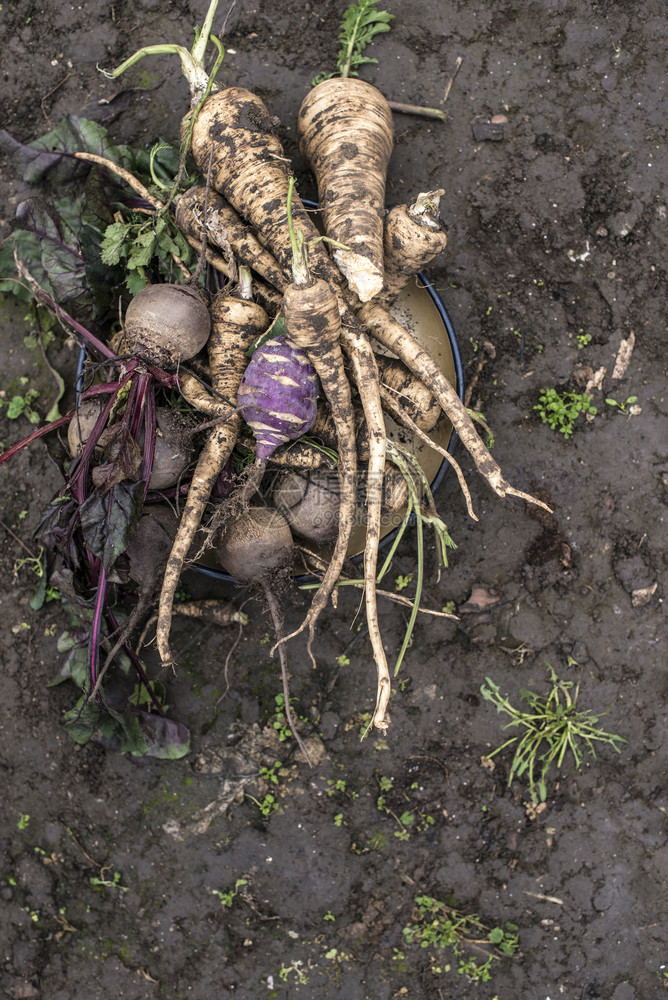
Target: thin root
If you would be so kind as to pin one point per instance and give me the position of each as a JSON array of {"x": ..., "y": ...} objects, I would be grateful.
[
  {"x": 276, "y": 619},
  {"x": 402, "y": 417}
]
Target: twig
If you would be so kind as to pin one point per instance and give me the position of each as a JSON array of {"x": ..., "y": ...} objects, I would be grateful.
[
  {"x": 129, "y": 178},
  {"x": 548, "y": 899},
  {"x": 51, "y": 92},
  {"x": 17, "y": 539},
  {"x": 416, "y": 109},
  {"x": 448, "y": 87},
  {"x": 93, "y": 862}
]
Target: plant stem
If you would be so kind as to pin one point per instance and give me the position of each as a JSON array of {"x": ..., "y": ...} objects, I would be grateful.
[
  {"x": 200, "y": 45},
  {"x": 276, "y": 619},
  {"x": 192, "y": 62},
  {"x": 300, "y": 271},
  {"x": 416, "y": 109}
]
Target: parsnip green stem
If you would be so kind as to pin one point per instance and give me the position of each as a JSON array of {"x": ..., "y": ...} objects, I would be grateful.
[
  {"x": 300, "y": 271},
  {"x": 192, "y": 62}
]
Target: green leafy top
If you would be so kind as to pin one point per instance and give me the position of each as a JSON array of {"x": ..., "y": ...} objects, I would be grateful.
[{"x": 360, "y": 22}]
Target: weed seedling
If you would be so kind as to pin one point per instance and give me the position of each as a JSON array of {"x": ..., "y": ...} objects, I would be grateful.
[
  {"x": 553, "y": 726},
  {"x": 267, "y": 806},
  {"x": 295, "y": 968},
  {"x": 622, "y": 406},
  {"x": 101, "y": 881},
  {"x": 335, "y": 786},
  {"x": 269, "y": 774},
  {"x": 561, "y": 410},
  {"x": 280, "y": 722},
  {"x": 227, "y": 898},
  {"x": 21, "y": 405},
  {"x": 439, "y": 927}
]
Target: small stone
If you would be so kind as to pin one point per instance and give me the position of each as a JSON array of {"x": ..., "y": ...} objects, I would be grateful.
[
  {"x": 642, "y": 596},
  {"x": 488, "y": 128}
]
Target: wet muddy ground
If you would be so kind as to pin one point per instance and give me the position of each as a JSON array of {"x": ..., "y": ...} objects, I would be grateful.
[{"x": 145, "y": 879}]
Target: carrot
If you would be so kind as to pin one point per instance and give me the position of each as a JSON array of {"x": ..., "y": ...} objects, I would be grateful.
[
  {"x": 345, "y": 134},
  {"x": 413, "y": 237},
  {"x": 236, "y": 322}
]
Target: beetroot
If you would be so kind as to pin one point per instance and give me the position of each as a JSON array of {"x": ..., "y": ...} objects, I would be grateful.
[
  {"x": 256, "y": 543},
  {"x": 310, "y": 503},
  {"x": 167, "y": 324}
]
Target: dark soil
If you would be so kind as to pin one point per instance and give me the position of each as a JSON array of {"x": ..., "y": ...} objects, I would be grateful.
[{"x": 112, "y": 868}]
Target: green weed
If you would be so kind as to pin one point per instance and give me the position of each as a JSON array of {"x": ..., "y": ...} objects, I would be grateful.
[
  {"x": 102, "y": 882},
  {"x": 360, "y": 22},
  {"x": 622, "y": 407},
  {"x": 270, "y": 774},
  {"x": 280, "y": 719},
  {"x": 227, "y": 898},
  {"x": 21, "y": 404},
  {"x": 296, "y": 969},
  {"x": 268, "y": 805},
  {"x": 438, "y": 927},
  {"x": 561, "y": 410},
  {"x": 551, "y": 728}
]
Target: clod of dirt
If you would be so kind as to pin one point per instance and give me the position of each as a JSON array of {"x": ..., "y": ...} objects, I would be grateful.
[
  {"x": 238, "y": 767},
  {"x": 632, "y": 566}
]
